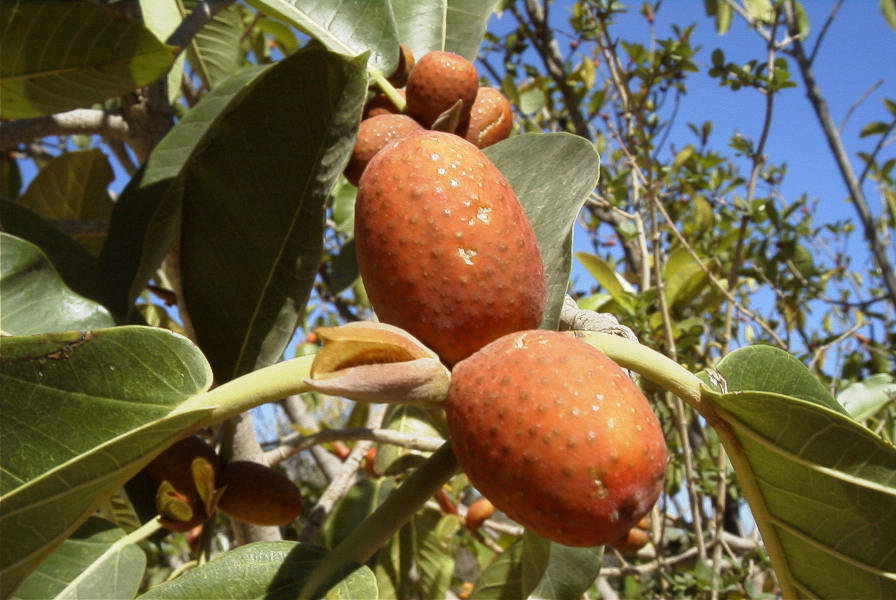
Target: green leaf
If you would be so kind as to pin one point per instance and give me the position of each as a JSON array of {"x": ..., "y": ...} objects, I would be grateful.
[
  {"x": 555, "y": 571},
  {"x": 604, "y": 274},
  {"x": 410, "y": 419},
  {"x": 454, "y": 25},
  {"x": 863, "y": 399},
  {"x": 88, "y": 565},
  {"x": 215, "y": 51},
  {"x": 82, "y": 413},
  {"x": 683, "y": 278},
  {"x": 820, "y": 486},
  {"x": 75, "y": 264},
  {"x": 533, "y": 567},
  {"x": 260, "y": 182},
  {"x": 350, "y": 27},
  {"x": 361, "y": 500},
  {"x": 503, "y": 578},
  {"x": 72, "y": 189},
  {"x": 874, "y": 128},
  {"x": 35, "y": 299},
  {"x": 104, "y": 55},
  {"x": 162, "y": 17},
  {"x": 270, "y": 570},
  {"x": 770, "y": 369},
  {"x": 146, "y": 218},
  {"x": 552, "y": 175},
  {"x": 760, "y": 10},
  {"x": 421, "y": 547},
  {"x": 888, "y": 10}
]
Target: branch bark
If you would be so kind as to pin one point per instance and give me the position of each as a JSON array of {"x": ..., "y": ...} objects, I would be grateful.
[{"x": 835, "y": 143}]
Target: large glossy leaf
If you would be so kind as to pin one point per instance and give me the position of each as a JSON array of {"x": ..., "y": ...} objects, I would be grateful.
[
  {"x": 215, "y": 52},
  {"x": 533, "y": 567},
  {"x": 146, "y": 218},
  {"x": 72, "y": 190},
  {"x": 89, "y": 564},
  {"x": 62, "y": 55},
  {"x": 82, "y": 413},
  {"x": 822, "y": 488},
  {"x": 253, "y": 209},
  {"x": 75, "y": 264},
  {"x": 453, "y": 25},
  {"x": 162, "y": 17},
  {"x": 270, "y": 570},
  {"x": 350, "y": 27},
  {"x": 35, "y": 299},
  {"x": 552, "y": 175}
]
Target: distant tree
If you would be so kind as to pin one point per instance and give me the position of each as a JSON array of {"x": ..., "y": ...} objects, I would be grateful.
[{"x": 764, "y": 348}]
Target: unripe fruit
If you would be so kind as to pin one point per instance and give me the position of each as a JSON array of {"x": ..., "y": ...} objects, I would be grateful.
[
  {"x": 557, "y": 436},
  {"x": 437, "y": 82},
  {"x": 174, "y": 464},
  {"x": 373, "y": 134},
  {"x": 177, "y": 512},
  {"x": 491, "y": 118},
  {"x": 444, "y": 247},
  {"x": 478, "y": 512},
  {"x": 258, "y": 494}
]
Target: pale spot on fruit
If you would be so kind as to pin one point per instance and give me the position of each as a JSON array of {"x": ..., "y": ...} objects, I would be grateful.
[
  {"x": 467, "y": 255},
  {"x": 453, "y": 183},
  {"x": 611, "y": 423},
  {"x": 590, "y": 436},
  {"x": 595, "y": 408},
  {"x": 435, "y": 156},
  {"x": 482, "y": 213}
]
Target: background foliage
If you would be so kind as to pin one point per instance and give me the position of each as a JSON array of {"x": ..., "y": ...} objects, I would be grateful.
[{"x": 185, "y": 174}]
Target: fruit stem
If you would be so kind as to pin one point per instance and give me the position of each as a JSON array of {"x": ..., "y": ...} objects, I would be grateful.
[
  {"x": 268, "y": 384},
  {"x": 376, "y": 529},
  {"x": 656, "y": 367},
  {"x": 388, "y": 89}
]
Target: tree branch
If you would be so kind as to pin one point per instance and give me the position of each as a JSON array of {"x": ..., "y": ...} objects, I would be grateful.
[
  {"x": 819, "y": 104},
  {"x": 80, "y": 121}
]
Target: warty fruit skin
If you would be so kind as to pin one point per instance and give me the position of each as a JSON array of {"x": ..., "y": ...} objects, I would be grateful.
[
  {"x": 557, "y": 436},
  {"x": 373, "y": 134},
  {"x": 444, "y": 247},
  {"x": 437, "y": 82},
  {"x": 491, "y": 118}
]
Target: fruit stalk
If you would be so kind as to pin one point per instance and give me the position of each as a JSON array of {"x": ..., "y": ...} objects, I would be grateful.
[
  {"x": 656, "y": 367},
  {"x": 268, "y": 384},
  {"x": 382, "y": 524}
]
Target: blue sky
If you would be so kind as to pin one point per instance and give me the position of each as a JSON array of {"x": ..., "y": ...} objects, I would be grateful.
[{"x": 855, "y": 56}]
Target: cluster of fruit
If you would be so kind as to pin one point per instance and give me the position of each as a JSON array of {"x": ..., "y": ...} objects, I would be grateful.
[
  {"x": 548, "y": 428},
  {"x": 193, "y": 482},
  {"x": 442, "y": 93}
]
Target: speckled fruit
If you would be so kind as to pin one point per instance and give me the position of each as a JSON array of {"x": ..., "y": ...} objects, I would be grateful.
[
  {"x": 557, "y": 436},
  {"x": 373, "y": 134},
  {"x": 437, "y": 82},
  {"x": 380, "y": 104},
  {"x": 444, "y": 247},
  {"x": 491, "y": 118},
  {"x": 258, "y": 494}
]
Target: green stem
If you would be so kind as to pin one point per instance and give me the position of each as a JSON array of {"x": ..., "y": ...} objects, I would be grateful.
[
  {"x": 388, "y": 89},
  {"x": 375, "y": 530},
  {"x": 269, "y": 384},
  {"x": 656, "y": 367}
]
